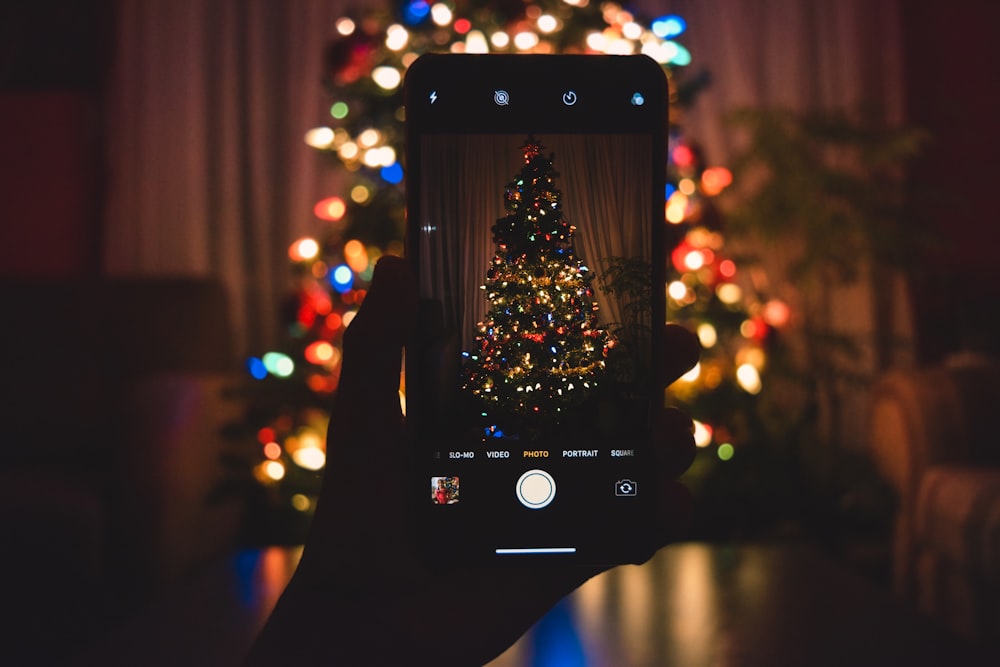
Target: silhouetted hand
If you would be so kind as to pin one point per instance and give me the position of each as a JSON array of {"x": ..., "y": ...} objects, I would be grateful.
[{"x": 361, "y": 594}]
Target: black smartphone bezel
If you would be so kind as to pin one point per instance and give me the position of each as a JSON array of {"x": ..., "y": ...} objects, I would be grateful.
[{"x": 455, "y": 94}]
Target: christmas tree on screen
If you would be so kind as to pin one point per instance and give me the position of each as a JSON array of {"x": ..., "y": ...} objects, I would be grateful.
[
  {"x": 539, "y": 350},
  {"x": 362, "y": 134}
]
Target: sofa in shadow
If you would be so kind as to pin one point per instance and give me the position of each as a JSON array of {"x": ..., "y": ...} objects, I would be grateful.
[
  {"x": 117, "y": 477},
  {"x": 935, "y": 435}
]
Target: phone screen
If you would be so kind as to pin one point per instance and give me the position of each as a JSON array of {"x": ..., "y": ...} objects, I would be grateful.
[{"x": 535, "y": 213}]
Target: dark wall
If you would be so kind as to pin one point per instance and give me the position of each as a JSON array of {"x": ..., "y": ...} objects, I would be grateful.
[
  {"x": 952, "y": 68},
  {"x": 53, "y": 57}
]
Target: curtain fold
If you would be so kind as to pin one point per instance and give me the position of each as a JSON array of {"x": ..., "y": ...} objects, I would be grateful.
[{"x": 208, "y": 102}]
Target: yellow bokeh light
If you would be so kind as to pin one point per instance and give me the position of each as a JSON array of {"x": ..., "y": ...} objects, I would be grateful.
[
  {"x": 677, "y": 290},
  {"x": 310, "y": 458},
  {"x": 345, "y": 26},
  {"x": 707, "y": 335},
  {"x": 748, "y": 378},
  {"x": 500, "y": 39},
  {"x": 274, "y": 470},
  {"x": 525, "y": 40},
  {"x": 692, "y": 374},
  {"x": 729, "y": 293},
  {"x": 441, "y": 14},
  {"x": 547, "y": 23},
  {"x": 388, "y": 78},
  {"x": 369, "y": 137},
  {"x": 475, "y": 42},
  {"x": 348, "y": 150},
  {"x": 303, "y": 249},
  {"x": 360, "y": 194},
  {"x": 702, "y": 434},
  {"x": 686, "y": 186},
  {"x": 396, "y": 37},
  {"x": 301, "y": 502},
  {"x": 319, "y": 137}
]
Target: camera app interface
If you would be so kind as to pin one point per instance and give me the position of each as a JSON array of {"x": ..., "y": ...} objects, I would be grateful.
[{"x": 536, "y": 289}]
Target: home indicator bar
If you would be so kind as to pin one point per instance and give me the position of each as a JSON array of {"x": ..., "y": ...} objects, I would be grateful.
[{"x": 536, "y": 550}]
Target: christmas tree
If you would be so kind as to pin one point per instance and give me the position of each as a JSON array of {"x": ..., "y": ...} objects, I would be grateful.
[
  {"x": 539, "y": 351},
  {"x": 363, "y": 139}
]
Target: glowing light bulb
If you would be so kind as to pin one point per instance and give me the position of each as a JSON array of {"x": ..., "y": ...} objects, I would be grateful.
[
  {"x": 319, "y": 137},
  {"x": 274, "y": 470},
  {"x": 331, "y": 208},
  {"x": 304, "y": 250},
  {"x": 500, "y": 39},
  {"x": 441, "y": 14},
  {"x": 729, "y": 293},
  {"x": 702, "y": 434},
  {"x": 310, "y": 458},
  {"x": 547, "y": 23},
  {"x": 345, "y": 26},
  {"x": 749, "y": 378},
  {"x": 387, "y": 77},
  {"x": 396, "y": 37},
  {"x": 692, "y": 374},
  {"x": 707, "y": 335},
  {"x": 525, "y": 40},
  {"x": 475, "y": 42}
]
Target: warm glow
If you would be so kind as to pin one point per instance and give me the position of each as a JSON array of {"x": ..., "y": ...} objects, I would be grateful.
[
  {"x": 396, "y": 37},
  {"x": 596, "y": 41},
  {"x": 441, "y": 14},
  {"x": 525, "y": 40},
  {"x": 475, "y": 42},
  {"x": 692, "y": 374},
  {"x": 500, "y": 39},
  {"x": 272, "y": 450},
  {"x": 360, "y": 194},
  {"x": 677, "y": 207},
  {"x": 331, "y": 208},
  {"x": 310, "y": 458},
  {"x": 632, "y": 30},
  {"x": 301, "y": 502},
  {"x": 686, "y": 186},
  {"x": 694, "y": 260},
  {"x": 777, "y": 313},
  {"x": 715, "y": 179},
  {"x": 727, "y": 268},
  {"x": 274, "y": 470},
  {"x": 345, "y": 26},
  {"x": 729, "y": 293},
  {"x": 303, "y": 250},
  {"x": 319, "y": 137},
  {"x": 348, "y": 150},
  {"x": 707, "y": 335},
  {"x": 702, "y": 434},
  {"x": 547, "y": 23},
  {"x": 677, "y": 290},
  {"x": 369, "y": 137},
  {"x": 348, "y": 317},
  {"x": 319, "y": 352},
  {"x": 748, "y": 378},
  {"x": 386, "y": 77},
  {"x": 356, "y": 255}
]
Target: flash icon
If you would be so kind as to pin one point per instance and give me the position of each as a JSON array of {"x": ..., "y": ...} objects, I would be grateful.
[{"x": 433, "y": 96}]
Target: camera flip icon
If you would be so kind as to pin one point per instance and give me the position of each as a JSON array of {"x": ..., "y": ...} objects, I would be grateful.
[{"x": 626, "y": 487}]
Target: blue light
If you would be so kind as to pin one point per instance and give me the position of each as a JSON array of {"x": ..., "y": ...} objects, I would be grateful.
[
  {"x": 392, "y": 174},
  {"x": 670, "y": 189},
  {"x": 682, "y": 57},
  {"x": 669, "y": 26},
  {"x": 342, "y": 278},
  {"x": 415, "y": 12},
  {"x": 498, "y": 433},
  {"x": 258, "y": 371}
]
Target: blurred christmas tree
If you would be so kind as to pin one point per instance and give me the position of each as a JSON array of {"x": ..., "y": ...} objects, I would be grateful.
[{"x": 363, "y": 137}]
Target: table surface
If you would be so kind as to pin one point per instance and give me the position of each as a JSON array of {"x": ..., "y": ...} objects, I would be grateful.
[{"x": 692, "y": 605}]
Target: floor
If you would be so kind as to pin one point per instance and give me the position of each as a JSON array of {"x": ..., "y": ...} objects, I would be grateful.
[{"x": 693, "y": 605}]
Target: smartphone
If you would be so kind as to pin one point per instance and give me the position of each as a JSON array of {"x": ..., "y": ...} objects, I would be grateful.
[{"x": 535, "y": 198}]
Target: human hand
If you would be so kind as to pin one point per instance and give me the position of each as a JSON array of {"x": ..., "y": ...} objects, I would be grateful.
[{"x": 361, "y": 593}]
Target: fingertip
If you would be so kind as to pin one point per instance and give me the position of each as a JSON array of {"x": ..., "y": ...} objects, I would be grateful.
[{"x": 682, "y": 351}]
